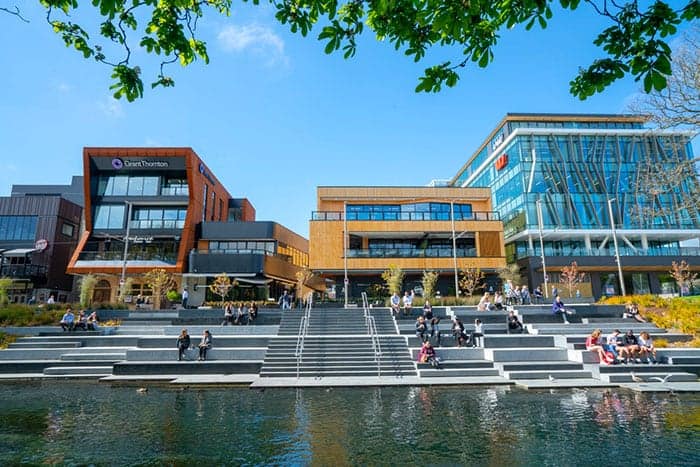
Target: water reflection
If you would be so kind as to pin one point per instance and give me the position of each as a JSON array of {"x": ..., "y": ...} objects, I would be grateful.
[{"x": 422, "y": 425}]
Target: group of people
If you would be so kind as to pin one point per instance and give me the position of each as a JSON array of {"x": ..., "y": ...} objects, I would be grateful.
[
  {"x": 622, "y": 349},
  {"x": 520, "y": 295},
  {"x": 405, "y": 303},
  {"x": 184, "y": 342},
  {"x": 242, "y": 313},
  {"x": 70, "y": 322},
  {"x": 472, "y": 339}
]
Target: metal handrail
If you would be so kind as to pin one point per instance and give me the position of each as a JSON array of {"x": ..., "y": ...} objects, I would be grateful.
[
  {"x": 373, "y": 333},
  {"x": 303, "y": 330}
]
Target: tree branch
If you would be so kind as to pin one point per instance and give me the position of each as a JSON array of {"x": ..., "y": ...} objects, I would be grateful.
[{"x": 16, "y": 13}]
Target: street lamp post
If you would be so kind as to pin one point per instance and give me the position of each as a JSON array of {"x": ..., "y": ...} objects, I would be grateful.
[
  {"x": 346, "y": 281},
  {"x": 617, "y": 251},
  {"x": 454, "y": 246},
  {"x": 122, "y": 280},
  {"x": 544, "y": 266}
]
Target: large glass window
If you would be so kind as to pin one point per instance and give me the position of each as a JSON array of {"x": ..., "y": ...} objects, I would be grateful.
[
  {"x": 241, "y": 247},
  {"x": 18, "y": 227},
  {"x": 109, "y": 216},
  {"x": 158, "y": 218},
  {"x": 408, "y": 212},
  {"x": 123, "y": 185}
]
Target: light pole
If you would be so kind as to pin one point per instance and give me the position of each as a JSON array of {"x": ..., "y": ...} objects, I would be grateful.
[
  {"x": 346, "y": 281},
  {"x": 122, "y": 280},
  {"x": 617, "y": 251},
  {"x": 544, "y": 265},
  {"x": 454, "y": 246}
]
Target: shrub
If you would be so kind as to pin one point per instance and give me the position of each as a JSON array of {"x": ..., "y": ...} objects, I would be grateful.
[
  {"x": 23, "y": 315},
  {"x": 6, "y": 339},
  {"x": 87, "y": 288}
]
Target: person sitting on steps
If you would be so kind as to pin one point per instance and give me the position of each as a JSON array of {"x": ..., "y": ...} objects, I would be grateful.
[
  {"x": 478, "y": 333},
  {"x": 427, "y": 311},
  {"x": 204, "y": 345},
  {"x": 395, "y": 304},
  {"x": 183, "y": 343},
  {"x": 458, "y": 331},
  {"x": 421, "y": 329},
  {"x": 68, "y": 320},
  {"x": 558, "y": 308},
  {"x": 514, "y": 324},
  {"x": 427, "y": 355},
  {"x": 593, "y": 344}
]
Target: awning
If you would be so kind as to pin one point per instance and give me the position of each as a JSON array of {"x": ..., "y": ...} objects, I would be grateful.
[{"x": 18, "y": 252}]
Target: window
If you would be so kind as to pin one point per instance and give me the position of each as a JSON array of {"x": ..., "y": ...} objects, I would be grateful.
[
  {"x": 109, "y": 216},
  {"x": 408, "y": 212},
  {"x": 123, "y": 185},
  {"x": 18, "y": 227},
  {"x": 158, "y": 218},
  {"x": 67, "y": 229}
]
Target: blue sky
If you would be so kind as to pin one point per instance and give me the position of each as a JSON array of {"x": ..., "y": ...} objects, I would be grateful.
[{"x": 274, "y": 117}]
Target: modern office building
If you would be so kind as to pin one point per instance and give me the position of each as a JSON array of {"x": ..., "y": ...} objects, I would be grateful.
[
  {"x": 263, "y": 258},
  {"x": 73, "y": 192},
  {"x": 606, "y": 187},
  {"x": 154, "y": 197},
  {"x": 357, "y": 232},
  {"x": 38, "y": 234}
]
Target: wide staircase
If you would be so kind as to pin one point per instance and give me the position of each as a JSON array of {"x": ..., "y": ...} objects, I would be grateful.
[{"x": 337, "y": 343}]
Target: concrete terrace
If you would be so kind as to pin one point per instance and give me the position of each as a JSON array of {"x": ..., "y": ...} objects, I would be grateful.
[{"x": 329, "y": 347}]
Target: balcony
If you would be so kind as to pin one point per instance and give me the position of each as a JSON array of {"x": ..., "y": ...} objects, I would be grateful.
[
  {"x": 404, "y": 216},
  {"x": 411, "y": 253},
  {"x": 157, "y": 224},
  {"x": 118, "y": 256},
  {"x": 624, "y": 251},
  {"x": 22, "y": 270}
]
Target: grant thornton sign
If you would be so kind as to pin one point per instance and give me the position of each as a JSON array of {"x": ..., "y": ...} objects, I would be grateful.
[{"x": 123, "y": 163}]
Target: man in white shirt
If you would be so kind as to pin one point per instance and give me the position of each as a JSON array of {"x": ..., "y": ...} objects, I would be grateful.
[{"x": 407, "y": 303}]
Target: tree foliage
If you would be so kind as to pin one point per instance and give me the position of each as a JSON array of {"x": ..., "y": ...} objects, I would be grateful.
[
  {"x": 221, "y": 286},
  {"x": 5, "y": 283},
  {"x": 393, "y": 277},
  {"x": 160, "y": 281},
  {"x": 87, "y": 289},
  {"x": 510, "y": 273},
  {"x": 571, "y": 277},
  {"x": 677, "y": 105},
  {"x": 429, "y": 282},
  {"x": 635, "y": 43},
  {"x": 682, "y": 275},
  {"x": 471, "y": 280}
]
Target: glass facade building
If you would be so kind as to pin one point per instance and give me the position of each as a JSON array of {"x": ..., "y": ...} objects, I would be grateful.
[{"x": 586, "y": 173}]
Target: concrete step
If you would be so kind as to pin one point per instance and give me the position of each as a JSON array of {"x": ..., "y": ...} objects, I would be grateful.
[
  {"x": 336, "y": 373},
  {"x": 217, "y": 353},
  {"x": 647, "y": 377},
  {"x": 545, "y": 374},
  {"x": 51, "y": 354},
  {"x": 43, "y": 345},
  {"x": 59, "y": 333},
  {"x": 458, "y": 365},
  {"x": 37, "y": 366},
  {"x": 90, "y": 357},
  {"x": 526, "y": 354},
  {"x": 187, "y": 367},
  {"x": 518, "y": 340},
  {"x": 196, "y": 331},
  {"x": 684, "y": 360},
  {"x": 87, "y": 341},
  {"x": 221, "y": 341},
  {"x": 78, "y": 371},
  {"x": 454, "y": 373},
  {"x": 453, "y": 353},
  {"x": 535, "y": 366}
]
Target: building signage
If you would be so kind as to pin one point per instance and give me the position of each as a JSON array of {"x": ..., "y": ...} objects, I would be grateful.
[
  {"x": 501, "y": 162},
  {"x": 138, "y": 239},
  {"x": 41, "y": 244},
  {"x": 119, "y": 163},
  {"x": 203, "y": 170},
  {"x": 497, "y": 140}
]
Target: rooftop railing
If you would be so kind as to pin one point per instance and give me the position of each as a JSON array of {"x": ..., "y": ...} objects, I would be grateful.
[
  {"x": 624, "y": 251},
  {"x": 404, "y": 216},
  {"x": 170, "y": 258},
  {"x": 411, "y": 253}
]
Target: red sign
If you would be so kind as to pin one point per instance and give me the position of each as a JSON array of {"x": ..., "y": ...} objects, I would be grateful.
[{"x": 501, "y": 162}]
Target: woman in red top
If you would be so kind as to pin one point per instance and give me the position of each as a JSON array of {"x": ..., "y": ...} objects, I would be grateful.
[{"x": 592, "y": 343}]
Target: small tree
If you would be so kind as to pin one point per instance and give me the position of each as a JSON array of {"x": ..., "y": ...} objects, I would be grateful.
[
  {"x": 303, "y": 276},
  {"x": 160, "y": 281},
  {"x": 87, "y": 289},
  {"x": 510, "y": 273},
  {"x": 682, "y": 275},
  {"x": 393, "y": 278},
  {"x": 571, "y": 277},
  {"x": 471, "y": 280},
  {"x": 5, "y": 283},
  {"x": 124, "y": 288},
  {"x": 429, "y": 282},
  {"x": 221, "y": 286}
]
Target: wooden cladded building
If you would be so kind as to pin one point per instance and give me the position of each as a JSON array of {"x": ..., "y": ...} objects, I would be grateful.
[{"x": 362, "y": 230}]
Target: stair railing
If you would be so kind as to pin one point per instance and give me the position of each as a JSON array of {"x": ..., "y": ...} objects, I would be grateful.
[
  {"x": 303, "y": 330},
  {"x": 373, "y": 333}
]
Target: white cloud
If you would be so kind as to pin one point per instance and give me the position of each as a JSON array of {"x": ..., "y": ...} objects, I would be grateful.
[
  {"x": 255, "y": 38},
  {"x": 111, "y": 107},
  {"x": 64, "y": 87}
]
